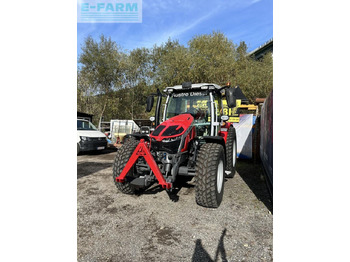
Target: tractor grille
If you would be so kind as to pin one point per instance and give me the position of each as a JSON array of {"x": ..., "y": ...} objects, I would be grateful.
[
  {"x": 158, "y": 130},
  {"x": 169, "y": 147},
  {"x": 173, "y": 130},
  {"x": 170, "y": 131}
]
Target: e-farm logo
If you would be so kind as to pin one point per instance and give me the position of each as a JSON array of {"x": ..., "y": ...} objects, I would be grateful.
[{"x": 109, "y": 11}]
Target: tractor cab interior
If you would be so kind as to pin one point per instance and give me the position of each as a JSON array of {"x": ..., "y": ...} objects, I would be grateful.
[{"x": 196, "y": 105}]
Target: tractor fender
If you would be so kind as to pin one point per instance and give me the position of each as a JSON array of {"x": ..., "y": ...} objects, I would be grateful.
[
  {"x": 217, "y": 140},
  {"x": 228, "y": 125},
  {"x": 224, "y": 130}
]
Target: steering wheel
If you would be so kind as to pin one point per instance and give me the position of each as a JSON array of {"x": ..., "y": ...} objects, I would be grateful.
[{"x": 193, "y": 111}]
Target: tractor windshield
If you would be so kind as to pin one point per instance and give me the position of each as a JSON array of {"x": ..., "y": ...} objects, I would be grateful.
[{"x": 195, "y": 103}]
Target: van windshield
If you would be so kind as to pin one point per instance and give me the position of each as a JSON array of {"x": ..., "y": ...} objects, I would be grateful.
[{"x": 85, "y": 125}]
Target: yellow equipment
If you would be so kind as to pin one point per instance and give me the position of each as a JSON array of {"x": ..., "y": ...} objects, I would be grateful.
[{"x": 233, "y": 113}]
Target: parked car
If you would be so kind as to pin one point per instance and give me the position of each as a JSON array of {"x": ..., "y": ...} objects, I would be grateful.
[{"x": 89, "y": 138}]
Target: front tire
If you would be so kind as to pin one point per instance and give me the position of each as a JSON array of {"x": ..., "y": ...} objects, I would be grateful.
[
  {"x": 122, "y": 157},
  {"x": 231, "y": 152},
  {"x": 210, "y": 174}
]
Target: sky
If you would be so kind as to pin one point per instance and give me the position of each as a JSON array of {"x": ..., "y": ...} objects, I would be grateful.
[{"x": 240, "y": 20}]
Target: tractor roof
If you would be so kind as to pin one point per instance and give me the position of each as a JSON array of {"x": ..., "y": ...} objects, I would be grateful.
[{"x": 193, "y": 86}]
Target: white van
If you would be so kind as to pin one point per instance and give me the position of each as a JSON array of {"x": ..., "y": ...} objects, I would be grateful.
[{"x": 89, "y": 138}]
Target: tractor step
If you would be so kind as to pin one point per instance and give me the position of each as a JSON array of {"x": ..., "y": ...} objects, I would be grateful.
[{"x": 139, "y": 182}]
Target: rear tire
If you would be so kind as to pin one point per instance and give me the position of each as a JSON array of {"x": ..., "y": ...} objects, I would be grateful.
[
  {"x": 231, "y": 152},
  {"x": 122, "y": 157},
  {"x": 210, "y": 173},
  {"x": 78, "y": 149}
]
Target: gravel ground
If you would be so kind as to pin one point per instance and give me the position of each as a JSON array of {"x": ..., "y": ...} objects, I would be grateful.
[{"x": 151, "y": 227}]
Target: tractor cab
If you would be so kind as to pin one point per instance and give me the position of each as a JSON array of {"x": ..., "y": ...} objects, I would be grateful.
[{"x": 202, "y": 101}]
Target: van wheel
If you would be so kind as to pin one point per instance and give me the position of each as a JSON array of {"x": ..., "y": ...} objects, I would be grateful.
[{"x": 78, "y": 149}]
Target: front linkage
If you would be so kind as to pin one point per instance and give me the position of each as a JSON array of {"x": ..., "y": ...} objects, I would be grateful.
[{"x": 142, "y": 150}]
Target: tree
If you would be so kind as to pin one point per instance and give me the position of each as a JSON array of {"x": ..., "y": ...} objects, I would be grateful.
[
  {"x": 137, "y": 81},
  {"x": 213, "y": 57},
  {"x": 255, "y": 78},
  {"x": 171, "y": 64},
  {"x": 102, "y": 66},
  {"x": 114, "y": 84}
]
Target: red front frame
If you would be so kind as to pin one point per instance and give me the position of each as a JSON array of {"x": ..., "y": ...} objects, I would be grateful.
[{"x": 143, "y": 151}]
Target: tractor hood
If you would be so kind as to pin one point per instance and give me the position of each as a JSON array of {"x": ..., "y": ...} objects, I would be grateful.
[{"x": 173, "y": 127}]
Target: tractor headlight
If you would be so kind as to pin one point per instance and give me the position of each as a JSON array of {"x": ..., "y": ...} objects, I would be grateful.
[
  {"x": 168, "y": 145},
  {"x": 171, "y": 139}
]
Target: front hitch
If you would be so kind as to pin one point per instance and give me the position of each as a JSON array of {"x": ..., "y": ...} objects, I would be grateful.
[{"x": 142, "y": 151}]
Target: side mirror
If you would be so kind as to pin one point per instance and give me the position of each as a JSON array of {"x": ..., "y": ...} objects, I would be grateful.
[
  {"x": 230, "y": 97},
  {"x": 150, "y": 101}
]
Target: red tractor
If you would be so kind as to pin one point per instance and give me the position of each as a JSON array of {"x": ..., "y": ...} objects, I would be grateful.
[{"x": 193, "y": 140}]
